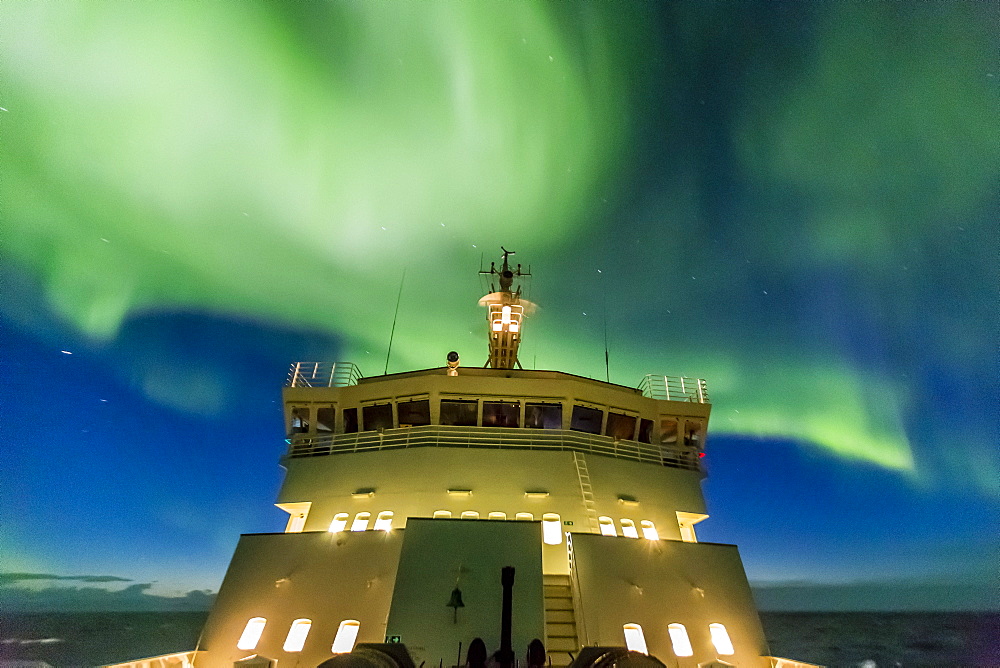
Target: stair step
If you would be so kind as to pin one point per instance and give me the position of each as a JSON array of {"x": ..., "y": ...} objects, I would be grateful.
[
  {"x": 559, "y": 644},
  {"x": 560, "y": 659},
  {"x": 552, "y": 604},
  {"x": 560, "y": 630},
  {"x": 560, "y": 617},
  {"x": 557, "y": 591},
  {"x": 555, "y": 579}
]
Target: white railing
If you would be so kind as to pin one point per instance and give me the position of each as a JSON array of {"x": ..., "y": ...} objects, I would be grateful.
[
  {"x": 492, "y": 438},
  {"x": 674, "y": 388},
  {"x": 778, "y": 662},
  {"x": 176, "y": 660},
  {"x": 323, "y": 374}
]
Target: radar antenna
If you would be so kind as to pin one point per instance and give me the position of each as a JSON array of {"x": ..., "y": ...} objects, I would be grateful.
[{"x": 505, "y": 313}]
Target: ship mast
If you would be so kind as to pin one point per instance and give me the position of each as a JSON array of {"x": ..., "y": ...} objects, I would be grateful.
[{"x": 505, "y": 314}]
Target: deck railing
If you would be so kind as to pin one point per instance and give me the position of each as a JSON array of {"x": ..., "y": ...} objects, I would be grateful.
[
  {"x": 674, "y": 388},
  {"x": 492, "y": 438},
  {"x": 323, "y": 374}
]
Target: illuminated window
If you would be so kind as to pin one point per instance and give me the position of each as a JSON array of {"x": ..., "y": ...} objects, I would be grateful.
[
  {"x": 551, "y": 529},
  {"x": 686, "y": 522},
  {"x": 414, "y": 413},
  {"x": 720, "y": 638},
  {"x": 586, "y": 419},
  {"x": 648, "y": 530},
  {"x": 692, "y": 434},
  {"x": 297, "y": 635},
  {"x": 543, "y": 416},
  {"x": 527, "y": 517},
  {"x": 620, "y": 427},
  {"x": 442, "y": 514},
  {"x": 498, "y": 516},
  {"x": 297, "y": 513},
  {"x": 634, "y": 639},
  {"x": 459, "y": 413},
  {"x": 628, "y": 529},
  {"x": 361, "y": 521},
  {"x": 251, "y": 633},
  {"x": 607, "y": 526},
  {"x": 470, "y": 514},
  {"x": 679, "y": 639},
  {"x": 377, "y": 417},
  {"x": 501, "y": 413},
  {"x": 347, "y": 633},
  {"x": 384, "y": 521},
  {"x": 339, "y": 522}
]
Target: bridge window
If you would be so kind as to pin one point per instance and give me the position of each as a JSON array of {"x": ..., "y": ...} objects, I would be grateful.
[
  {"x": 347, "y": 633},
  {"x": 324, "y": 418},
  {"x": 414, "y": 413},
  {"x": 297, "y": 635},
  {"x": 543, "y": 416},
  {"x": 679, "y": 639},
  {"x": 634, "y": 639},
  {"x": 645, "y": 431},
  {"x": 607, "y": 526},
  {"x": 339, "y": 522},
  {"x": 586, "y": 419},
  {"x": 470, "y": 514},
  {"x": 524, "y": 517},
  {"x": 668, "y": 431},
  {"x": 459, "y": 413},
  {"x": 442, "y": 514},
  {"x": 498, "y": 516},
  {"x": 251, "y": 633},
  {"x": 384, "y": 521},
  {"x": 300, "y": 420},
  {"x": 501, "y": 414},
  {"x": 620, "y": 427},
  {"x": 551, "y": 529},
  {"x": 692, "y": 434},
  {"x": 628, "y": 529},
  {"x": 350, "y": 420},
  {"x": 648, "y": 530},
  {"x": 361, "y": 521},
  {"x": 377, "y": 417},
  {"x": 720, "y": 638}
]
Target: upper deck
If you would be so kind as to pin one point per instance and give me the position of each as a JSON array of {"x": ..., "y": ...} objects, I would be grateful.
[{"x": 331, "y": 408}]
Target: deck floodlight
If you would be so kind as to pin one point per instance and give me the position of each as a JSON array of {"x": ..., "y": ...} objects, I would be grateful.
[{"x": 453, "y": 362}]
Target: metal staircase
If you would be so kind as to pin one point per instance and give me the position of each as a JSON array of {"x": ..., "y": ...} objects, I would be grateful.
[
  {"x": 561, "y": 642},
  {"x": 586, "y": 491}
]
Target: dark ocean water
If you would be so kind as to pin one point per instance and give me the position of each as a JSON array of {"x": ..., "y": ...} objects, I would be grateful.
[{"x": 872, "y": 640}]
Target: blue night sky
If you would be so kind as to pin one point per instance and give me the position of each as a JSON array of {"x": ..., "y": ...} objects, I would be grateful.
[{"x": 795, "y": 201}]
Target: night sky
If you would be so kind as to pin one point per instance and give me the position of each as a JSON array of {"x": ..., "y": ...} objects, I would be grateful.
[{"x": 798, "y": 202}]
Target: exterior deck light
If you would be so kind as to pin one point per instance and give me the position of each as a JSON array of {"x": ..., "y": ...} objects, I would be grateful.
[
  {"x": 460, "y": 492},
  {"x": 536, "y": 494},
  {"x": 363, "y": 493}
]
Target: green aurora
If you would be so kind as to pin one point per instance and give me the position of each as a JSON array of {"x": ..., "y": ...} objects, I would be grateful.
[{"x": 235, "y": 158}]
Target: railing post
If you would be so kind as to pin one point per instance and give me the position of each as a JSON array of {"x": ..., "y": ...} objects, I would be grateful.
[
  {"x": 701, "y": 391},
  {"x": 666, "y": 387}
]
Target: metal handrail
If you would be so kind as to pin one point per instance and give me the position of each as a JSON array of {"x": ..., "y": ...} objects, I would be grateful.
[
  {"x": 493, "y": 438},
  {"x": 323, "y": 374},
  {"x": 674, "y": 388}
]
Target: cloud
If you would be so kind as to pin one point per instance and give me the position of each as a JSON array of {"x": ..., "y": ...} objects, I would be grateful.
[
  {"x": 7, "y": 579},
  {"x": 15, "y": 597}
]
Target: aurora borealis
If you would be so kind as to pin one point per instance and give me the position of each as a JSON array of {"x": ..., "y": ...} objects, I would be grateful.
[{"x": 795, "y": 201}]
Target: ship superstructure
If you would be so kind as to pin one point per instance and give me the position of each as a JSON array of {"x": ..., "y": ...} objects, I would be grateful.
[{"x": 407, "y": 495}]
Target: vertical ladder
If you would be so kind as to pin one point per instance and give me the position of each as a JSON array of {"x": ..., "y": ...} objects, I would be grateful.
[
  {"x": 586, "y": 491},
  {"x": 561, "y": 642}
]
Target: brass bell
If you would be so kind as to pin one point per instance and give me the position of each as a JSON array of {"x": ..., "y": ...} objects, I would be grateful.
[{"x": 456, "y": 601}]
